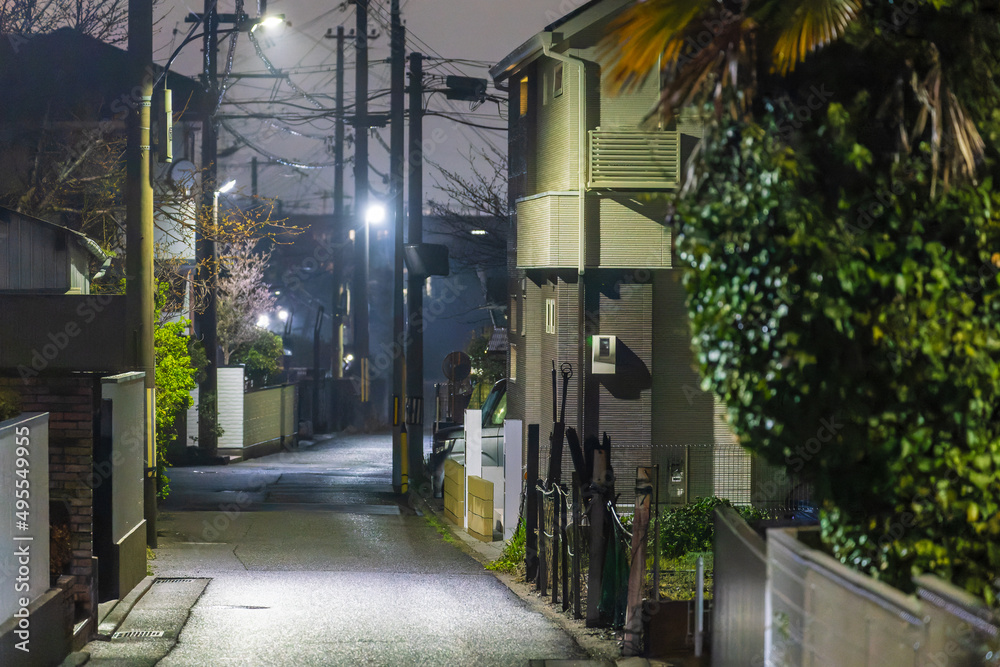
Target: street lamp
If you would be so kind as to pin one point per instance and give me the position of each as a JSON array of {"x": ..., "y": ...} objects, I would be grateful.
[{"x": 374, "y": 214}]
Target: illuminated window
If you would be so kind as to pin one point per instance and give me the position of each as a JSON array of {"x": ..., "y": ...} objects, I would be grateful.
[
  {"x": 550, "y": 316},
  {"x": 524, "y": 97}
]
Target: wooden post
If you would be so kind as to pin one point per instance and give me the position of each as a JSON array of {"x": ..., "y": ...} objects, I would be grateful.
[
  {"x": 563, "y": 498},
  {"x": 598, "y": 537},
  {"x": 531, "y": 506},
  {"x": 637, "y": 571},
  {"x": 542, "y": 565},
  {"x": 555, "y": 542},
  {"x": 577, "y": 612}
]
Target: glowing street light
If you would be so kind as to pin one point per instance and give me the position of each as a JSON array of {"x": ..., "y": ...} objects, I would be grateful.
[
  {"x": 375, "y": 214},
  {"x": 283, "y": 315},
  {"x": 271, "y": 21},
  {"x": 263, "y": 321}
]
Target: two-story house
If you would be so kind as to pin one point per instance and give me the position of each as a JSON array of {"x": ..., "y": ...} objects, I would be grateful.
[{"x": 593, "y": 277}]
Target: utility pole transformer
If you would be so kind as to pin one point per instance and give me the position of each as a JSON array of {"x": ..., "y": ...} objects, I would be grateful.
[
  {"x": 415, "y": 286},
  {"x": 397, "y": 150},
  {"x": 139, "y": 241}
]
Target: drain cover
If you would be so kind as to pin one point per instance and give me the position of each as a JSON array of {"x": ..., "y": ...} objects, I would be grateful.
[
  {"x": 173, "y": 580},
  {"x": 138, "y": 634}
]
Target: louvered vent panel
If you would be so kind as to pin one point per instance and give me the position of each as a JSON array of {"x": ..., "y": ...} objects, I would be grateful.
[{"x": 632, "y": 160}]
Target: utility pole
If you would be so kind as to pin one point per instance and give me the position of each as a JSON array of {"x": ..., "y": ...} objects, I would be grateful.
[
  {"x": 397, "y": 150},
  {"x": 415, "y": 287},
  {"x": 139, "y": 241},
  {"x": 205, "y": 251},
  {"x": 337, "y": 335},
  {"x": 338, "y": 132},
  {"x": 361, "y": 200}
]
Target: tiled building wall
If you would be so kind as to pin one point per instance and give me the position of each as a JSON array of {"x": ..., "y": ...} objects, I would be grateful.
[{"x": 71, "y": 403}]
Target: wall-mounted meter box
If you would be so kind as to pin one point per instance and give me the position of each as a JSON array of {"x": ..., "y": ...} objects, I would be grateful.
[{"x": 603, "y": 354}]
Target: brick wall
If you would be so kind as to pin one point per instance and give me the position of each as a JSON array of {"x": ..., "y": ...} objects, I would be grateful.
[{"x": 71, "y": 403}]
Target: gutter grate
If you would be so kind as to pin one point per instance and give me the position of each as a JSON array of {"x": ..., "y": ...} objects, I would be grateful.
[
  {"x": 138, "y": 634},
  {"x": 173, "y": 580}
]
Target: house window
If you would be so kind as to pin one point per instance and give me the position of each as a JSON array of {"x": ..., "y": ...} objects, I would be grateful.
[
  {"x": 513, "y": 363},
  {"x": 524, "y": 97},
  {"x": 557, "y": 81},
  {"x": 550, "y": 316},
  {"x": 513, "y": 314}
]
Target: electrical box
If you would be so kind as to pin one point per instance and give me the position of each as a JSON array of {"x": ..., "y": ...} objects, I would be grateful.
[{"x": 603, "y": 354}]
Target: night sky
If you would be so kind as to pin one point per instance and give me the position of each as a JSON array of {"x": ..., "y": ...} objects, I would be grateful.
[{"x": 477, "y": 33}]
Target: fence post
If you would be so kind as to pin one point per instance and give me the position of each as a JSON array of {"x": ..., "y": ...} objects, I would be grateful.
[
  {"x": 563, "y": 500},
  {"x": 577, "y": 612},
  {"x": 542, "y": 564},
  {"x": 531, "y": 506},
  {"x": 656, "y": 532},
  {"x": 554, "y": 490},
  {"x": 598, "y": 537},
  {"x": 637, "y": 571}
]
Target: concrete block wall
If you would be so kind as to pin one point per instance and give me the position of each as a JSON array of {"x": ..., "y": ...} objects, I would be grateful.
[
  {"x": 480, "y": 504},
  {"x": 454, "y": 492},
  {"x": 71, "y": 403}
]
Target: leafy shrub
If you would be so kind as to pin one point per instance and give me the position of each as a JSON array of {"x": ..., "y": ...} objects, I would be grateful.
[
  {"x": 261, "y": 358},
  {"x": 10, "y": 404},
  {"x": 512, "y": 557},
  {"x": 690, "y": 528}
]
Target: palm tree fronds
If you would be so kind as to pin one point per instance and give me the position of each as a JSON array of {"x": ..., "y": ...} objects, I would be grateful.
[
  {"x": 645, "y": 37},
  {"x": 811, "y": 25}
]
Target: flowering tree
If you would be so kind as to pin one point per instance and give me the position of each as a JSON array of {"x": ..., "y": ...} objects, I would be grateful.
[{"x": 243, "y": 294}]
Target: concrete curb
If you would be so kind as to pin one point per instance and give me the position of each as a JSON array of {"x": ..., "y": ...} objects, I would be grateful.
[{"x": 109, "y": 624}]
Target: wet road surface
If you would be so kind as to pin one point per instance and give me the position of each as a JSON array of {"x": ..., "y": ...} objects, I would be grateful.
[{"x": 313, "y": 560}]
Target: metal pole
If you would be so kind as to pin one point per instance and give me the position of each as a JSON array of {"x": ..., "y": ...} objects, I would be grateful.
[
  {"x": 397, "y": 154},
  {"x": 317, "y": 331},
  {"x": 577, "y": 611},
  {"x": 361, "y": 198},
  {"x": 415, "y": 284},
  {"x": 531, "y": 506},
  {"x": 337, "y": 351},
  {"x": 139, "y": 241},
  {"x": 338, "y": 132},
  {"x": 205, "y": 251},
  {"x": 699, "y": 606}
]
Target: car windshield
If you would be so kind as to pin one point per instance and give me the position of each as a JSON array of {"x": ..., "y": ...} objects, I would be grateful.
[
  {"x": 495, "y": 406},
  {"x": 498, "y": 415}
]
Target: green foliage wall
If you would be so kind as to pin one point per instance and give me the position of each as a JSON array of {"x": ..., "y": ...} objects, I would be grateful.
[{"x": 851, "y": 323}]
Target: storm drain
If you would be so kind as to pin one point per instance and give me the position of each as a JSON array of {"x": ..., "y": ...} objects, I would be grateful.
[
  {"x": 138, "y": 634},
  {"x": 173, "y": 580}
]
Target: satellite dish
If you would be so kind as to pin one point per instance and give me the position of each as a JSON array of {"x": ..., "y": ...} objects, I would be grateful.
[{"x": 457, "y": 366}]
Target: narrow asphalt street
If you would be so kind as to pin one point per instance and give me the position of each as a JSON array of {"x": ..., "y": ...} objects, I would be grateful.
[{"x": 309, "y": 558}]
